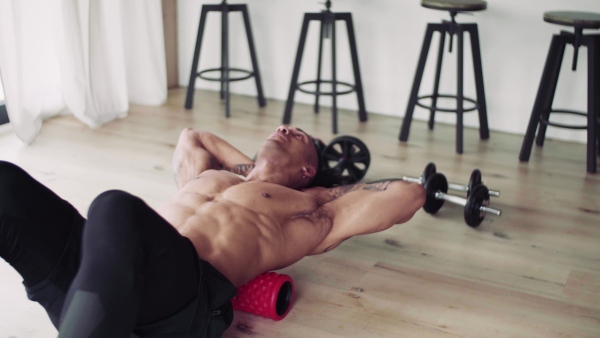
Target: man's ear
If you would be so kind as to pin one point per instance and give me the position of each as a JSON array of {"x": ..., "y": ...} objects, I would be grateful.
[{"x": 309, "y": 171}]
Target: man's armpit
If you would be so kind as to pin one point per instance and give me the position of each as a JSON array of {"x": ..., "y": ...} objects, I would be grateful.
[{"x": 239, "y": 169}]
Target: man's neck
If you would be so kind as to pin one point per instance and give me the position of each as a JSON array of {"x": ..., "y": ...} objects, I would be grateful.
[{"x": 262, "y": 173}]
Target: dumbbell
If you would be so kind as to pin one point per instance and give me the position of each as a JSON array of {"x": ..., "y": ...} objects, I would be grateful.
[
  {"x": 429, "y": 170},
  {"x": 349, "y": 156},
  {"x": 474, "y": 180},
  {"x": 475, "y": 205},
  {"x": 436, "y": 187}
]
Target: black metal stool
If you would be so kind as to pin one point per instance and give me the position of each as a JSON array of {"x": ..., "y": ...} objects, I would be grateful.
[
  {"x": 327, "y": 19},
  {"x": 540, "y": 116},
  {"x": 458, "y": 29},
  {"x": 224, "y": 70}
]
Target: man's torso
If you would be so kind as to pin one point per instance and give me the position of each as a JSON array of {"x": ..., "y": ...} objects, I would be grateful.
[{"x": 246, "y": 228}]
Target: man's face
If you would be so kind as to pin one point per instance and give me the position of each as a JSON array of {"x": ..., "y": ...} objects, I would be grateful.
[{"x": 289, "y": 148}]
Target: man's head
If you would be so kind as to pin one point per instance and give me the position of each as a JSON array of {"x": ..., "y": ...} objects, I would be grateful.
[{"x": 289, "y": 157}]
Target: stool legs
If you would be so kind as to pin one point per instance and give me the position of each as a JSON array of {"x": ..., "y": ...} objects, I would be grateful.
[
  {"x": 459, "y": 92},
  {"x": 333, "y": 81},
  {"x": 327, "y": 20},
  {"x": 287, "y": 115},
  {"x": 323, "y": 34},
  {"x": 362, "y": 110},
  {"x": 225, "y": 78},
  {"x": 259, "y": 89},
  {"x": 436, "y": 85},
  {"x": 484, "y": 131},
  {"x": 548, "y": 94},
  {"x": 458, "y": 29},
  {"x": 593, "y": 149},
  {"x": 412, "y": 100},
  {"x": 189, "y": 98},
  {"x": 545, "y": 95},
  {"x": 225, "y": 60}
]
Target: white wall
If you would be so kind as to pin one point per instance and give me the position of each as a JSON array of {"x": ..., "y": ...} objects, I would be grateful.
[{"x": 514, "y": 42}]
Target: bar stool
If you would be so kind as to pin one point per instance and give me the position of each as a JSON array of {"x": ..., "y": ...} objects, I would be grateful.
[
  {"x": 225, "y": 70},
  {"x": 327, "y": 19},
  {"x": 458, "y": 29},
  {"x": 540, "y": 116}
]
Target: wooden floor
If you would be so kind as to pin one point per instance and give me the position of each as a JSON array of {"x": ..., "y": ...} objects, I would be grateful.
[{"x": 533, "y": 272}]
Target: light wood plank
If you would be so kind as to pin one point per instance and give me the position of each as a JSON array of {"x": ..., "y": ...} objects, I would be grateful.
[{"x": 534, "y": 271}]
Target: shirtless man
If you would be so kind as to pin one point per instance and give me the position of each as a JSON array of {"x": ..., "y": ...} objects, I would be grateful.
[{"x": 171, "y": 272}]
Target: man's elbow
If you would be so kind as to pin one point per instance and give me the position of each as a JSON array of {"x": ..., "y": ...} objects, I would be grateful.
[
  {"x": 187, "y": 134},
  {"x": 419, "y": 196},
  {"x": 195, "y": 137},
  {"x": 412, "y": 199}
]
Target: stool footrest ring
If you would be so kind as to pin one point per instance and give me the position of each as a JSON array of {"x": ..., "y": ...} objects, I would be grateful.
[
  {"x": 314, "y": 92},
  {"x": 248, "y": 75},
  {"x": 446, "y": 110},
  {"x": 560, "y": 125}
]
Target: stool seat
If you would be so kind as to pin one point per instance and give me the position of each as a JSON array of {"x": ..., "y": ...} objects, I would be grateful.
[
  {"x": 455, "y": 5},
  {"x": 574, "y": 19}
]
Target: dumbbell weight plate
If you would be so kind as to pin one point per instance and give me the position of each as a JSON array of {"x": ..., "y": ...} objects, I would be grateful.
[
  {"x": 478, "y": 197},
  {"x": 435, "y": 183},
  {"x": 429, "y": 170},
  {"x": 349, "y": 156},
  {"x": 474, "y": 181}
]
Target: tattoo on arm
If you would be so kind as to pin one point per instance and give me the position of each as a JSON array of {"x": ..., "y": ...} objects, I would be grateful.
[{"x": 379, "y": 185}]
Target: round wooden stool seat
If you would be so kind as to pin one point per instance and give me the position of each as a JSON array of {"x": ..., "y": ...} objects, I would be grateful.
[
  {"x": 574, "y": 19},
  {"x": 455, "y": 5}
]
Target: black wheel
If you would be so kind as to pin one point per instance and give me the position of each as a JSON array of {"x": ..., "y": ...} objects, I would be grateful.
[
  {"x": 479, "y": 197},
  {"x": 349, "y": 156},
  {"x": 474, "y": 181},
  {"x": 429, "y": 170},
  {"x": 435, "y": 183}
]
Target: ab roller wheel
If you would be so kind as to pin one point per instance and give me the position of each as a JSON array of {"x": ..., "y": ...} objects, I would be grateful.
[
  {"x": 269, "y": 295},
  {"x": 349, "y": 156}
]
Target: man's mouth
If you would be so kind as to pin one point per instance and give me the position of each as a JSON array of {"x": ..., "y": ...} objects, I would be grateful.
[{"x": 277, "y": 136}]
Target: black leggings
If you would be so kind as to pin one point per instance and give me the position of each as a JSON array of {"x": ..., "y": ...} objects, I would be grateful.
[{"x": 124, "y": 266}]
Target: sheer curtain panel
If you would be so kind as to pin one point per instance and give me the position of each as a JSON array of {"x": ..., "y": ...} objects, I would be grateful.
[{"x": 89, "y": 58}]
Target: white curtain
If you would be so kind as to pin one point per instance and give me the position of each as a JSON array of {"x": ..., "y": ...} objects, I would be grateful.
[{"x": 89, "y": 58}]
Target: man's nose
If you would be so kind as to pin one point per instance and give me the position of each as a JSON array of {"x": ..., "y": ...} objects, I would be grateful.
[{"x": 283, "y": 129}]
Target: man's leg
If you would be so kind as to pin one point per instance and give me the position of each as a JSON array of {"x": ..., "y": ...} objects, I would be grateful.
[
  {"x": 135, "y": 269},
  {"x": 39, "y": 237}
]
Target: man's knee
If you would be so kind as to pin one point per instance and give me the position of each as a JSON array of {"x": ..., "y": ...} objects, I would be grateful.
[
  {"x": 113, "y": 200},
  {"x": 114, "y": 209},
  {"x": 11, "y": 182},
  {"x": 9, "y": 175}
]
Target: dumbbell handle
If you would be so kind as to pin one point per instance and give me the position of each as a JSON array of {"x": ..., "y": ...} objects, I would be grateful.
[
  {"x": 460, "y": 187},
  {"x": 461, "y": 201},
  {"x": 418, "y": 180}
]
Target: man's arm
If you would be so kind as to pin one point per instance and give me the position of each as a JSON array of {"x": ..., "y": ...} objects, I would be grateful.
[
  {"x": 198, "y": 151},
  {"x": 365, "y": 208}
]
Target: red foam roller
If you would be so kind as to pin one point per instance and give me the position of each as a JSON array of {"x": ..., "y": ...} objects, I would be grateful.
[{"x": 268, "y": 295}]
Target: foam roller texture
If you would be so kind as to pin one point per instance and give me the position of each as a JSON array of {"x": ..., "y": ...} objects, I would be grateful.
[{"x": 269, "y": 295}]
